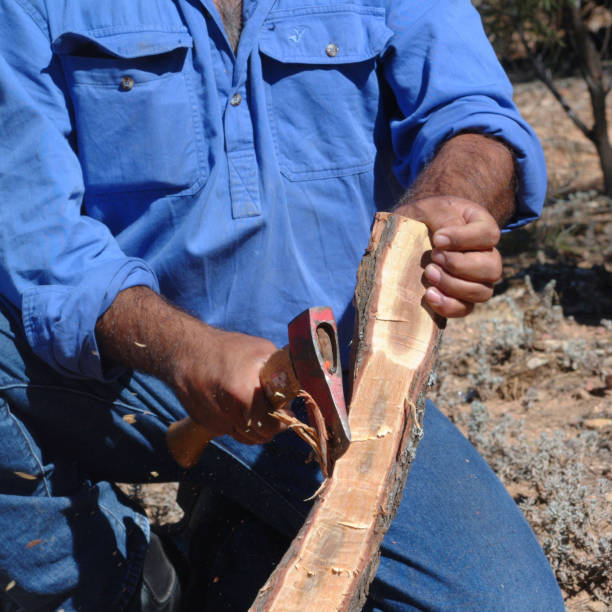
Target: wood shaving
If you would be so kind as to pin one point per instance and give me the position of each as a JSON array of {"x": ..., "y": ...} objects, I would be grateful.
[
  {"x": 26, "y": 476},
  {"x": 317, "y": 492},
  {"x": 154, "y": 474},
  {"x": 315, "y": 437},
  {"x": 315, "y": 417},
  {"x": 307, "y": 433},
  {"x": 33, "y": 543},
  {"x": 337, "y": 571},
  {"x": 140, "y": 345},
  {"x": 9, "y": 586},
  {"x": 354, "y": 525},
  {"x": 129, "y": 418}
]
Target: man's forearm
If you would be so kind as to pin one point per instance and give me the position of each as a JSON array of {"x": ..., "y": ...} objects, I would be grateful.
[
  {"x": 473, "y": 167},
  {"x": 214, "y": 373},
  {"x": 142, "y": 331}
]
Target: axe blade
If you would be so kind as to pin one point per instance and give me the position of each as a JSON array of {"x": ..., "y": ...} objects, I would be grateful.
[{"x": 315, "y": 353}]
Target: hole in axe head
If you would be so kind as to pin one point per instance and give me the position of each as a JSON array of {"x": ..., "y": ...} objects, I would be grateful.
[{"x": 327, "y": 347}]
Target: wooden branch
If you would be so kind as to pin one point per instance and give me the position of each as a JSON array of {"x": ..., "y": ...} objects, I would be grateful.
[{"x": 334, "y": 557}]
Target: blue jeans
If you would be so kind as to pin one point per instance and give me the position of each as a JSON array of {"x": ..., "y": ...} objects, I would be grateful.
[{"x": 70, "y": 540}]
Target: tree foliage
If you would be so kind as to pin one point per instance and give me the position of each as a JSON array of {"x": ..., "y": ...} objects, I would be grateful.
[{"x": 554, "y": 36}]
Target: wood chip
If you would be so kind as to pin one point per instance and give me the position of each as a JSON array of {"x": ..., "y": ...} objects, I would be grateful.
[
  {"x": 129, "y": 418},
  {"x": 154, "y": 474},
  {"x": 597, "y": 423},
  {"x": 9, "y": 586},
  {"x": 33, "y": 543},
  {"x": 26, "y": 476},
  {"x": 383, "y": 431}
]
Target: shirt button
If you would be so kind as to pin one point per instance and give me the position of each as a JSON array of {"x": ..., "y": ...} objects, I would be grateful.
[
  {"x": 127, "y": 82},
  {"x": 331, "y": 50},
  {"x": 236, "y": 99}
]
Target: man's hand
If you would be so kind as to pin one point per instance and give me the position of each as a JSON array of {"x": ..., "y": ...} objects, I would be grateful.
[
  {"x": 215, "y": 374},
  {"x": 463, "y": 196},
  {"x": 465, "y": 262},
  {"x": 223, "y": 393}
]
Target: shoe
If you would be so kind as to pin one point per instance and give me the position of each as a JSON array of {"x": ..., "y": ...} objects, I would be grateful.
[{"x": 161, "y": 589}]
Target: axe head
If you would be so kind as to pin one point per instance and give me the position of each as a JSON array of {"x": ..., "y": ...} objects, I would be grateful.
[{"x": 315, "y": 354}]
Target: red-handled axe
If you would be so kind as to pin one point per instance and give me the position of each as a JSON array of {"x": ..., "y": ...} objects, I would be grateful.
[{"x": 310, "y": 362}]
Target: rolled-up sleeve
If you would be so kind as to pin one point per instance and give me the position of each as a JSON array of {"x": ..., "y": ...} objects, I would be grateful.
[
  {"x": 447, "y": 80},
  {"x": 62, "y": 269}
]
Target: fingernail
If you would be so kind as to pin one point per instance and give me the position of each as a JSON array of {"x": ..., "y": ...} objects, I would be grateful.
[
  {"x": 441, "y": 241},
  {"x": 438, "y": 257},
  {"x": 432, "y": 274},
  {"x": 433, "y": 296}
]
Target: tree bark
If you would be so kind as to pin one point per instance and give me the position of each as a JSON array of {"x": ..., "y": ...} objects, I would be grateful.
[{"x": 334, "y": 557}]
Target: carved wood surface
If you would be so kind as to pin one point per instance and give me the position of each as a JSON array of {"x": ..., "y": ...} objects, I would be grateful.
[{"x": 334, "y": 557}]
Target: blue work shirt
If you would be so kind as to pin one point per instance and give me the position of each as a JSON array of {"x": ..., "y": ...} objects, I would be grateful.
[{"x": 137, "y": 149}]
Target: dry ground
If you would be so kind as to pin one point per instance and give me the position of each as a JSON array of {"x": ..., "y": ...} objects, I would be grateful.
[{"x": 528, "y": 375}]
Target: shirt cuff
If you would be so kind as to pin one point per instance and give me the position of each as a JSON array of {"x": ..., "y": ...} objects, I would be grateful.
[
  {"x": 60, "y": 320},
  {"x": 502, "y": 123}
]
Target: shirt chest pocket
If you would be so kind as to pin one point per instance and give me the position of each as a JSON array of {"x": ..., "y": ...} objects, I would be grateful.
[
  {"x": 135, "y": 116},
  {"x": 320, "y": 68}
]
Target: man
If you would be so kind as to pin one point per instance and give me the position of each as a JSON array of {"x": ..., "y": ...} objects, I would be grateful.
[{"x": 230, "y": 159}]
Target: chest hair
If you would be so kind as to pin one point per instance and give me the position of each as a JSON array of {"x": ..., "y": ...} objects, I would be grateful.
[{"x": 231, "y": 15}]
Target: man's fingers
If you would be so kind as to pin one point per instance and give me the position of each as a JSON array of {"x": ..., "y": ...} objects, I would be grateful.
[
  {"x": 475, "y": 235},
  {"x": 465, "y": 263},
  {"x": 477, "y": 266},
  {"x": 451, "y": 286},
  {"x": 447, "y": 306}
]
